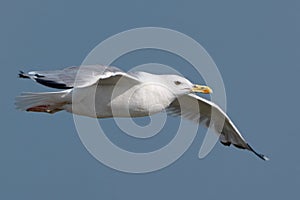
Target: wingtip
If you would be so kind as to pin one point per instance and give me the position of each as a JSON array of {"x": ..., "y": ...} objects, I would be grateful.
[
  {"x": 22, "y": 74},
  {"x": 261, "y": 156},
  {"x": 266, "y": 158}
]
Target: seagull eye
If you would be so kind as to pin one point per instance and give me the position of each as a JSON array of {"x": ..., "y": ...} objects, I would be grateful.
[{"x": 177, "y": 82}]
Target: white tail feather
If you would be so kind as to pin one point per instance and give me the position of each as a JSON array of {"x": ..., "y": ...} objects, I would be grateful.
[{"x": 42, "y": 102}]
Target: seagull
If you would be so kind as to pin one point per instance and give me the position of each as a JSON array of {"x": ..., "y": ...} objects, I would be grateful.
[{"x": 134, "y": 94}]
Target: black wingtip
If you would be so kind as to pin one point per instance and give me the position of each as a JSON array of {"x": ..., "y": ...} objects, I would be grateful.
[
  {"x": 261, "y": 156},
  {"x": 23, "y": 75}
]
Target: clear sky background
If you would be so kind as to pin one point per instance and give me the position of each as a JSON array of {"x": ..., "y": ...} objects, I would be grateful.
[{"x": 256, "y": 47}]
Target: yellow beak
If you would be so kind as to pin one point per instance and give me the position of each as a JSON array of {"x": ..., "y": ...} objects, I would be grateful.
[{"x": 202, "y": 88}]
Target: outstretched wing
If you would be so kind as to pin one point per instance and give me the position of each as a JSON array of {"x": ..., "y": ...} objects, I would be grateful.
[
  {"x": 205, "y": 112},
  {"x": 78, "y": 76}
]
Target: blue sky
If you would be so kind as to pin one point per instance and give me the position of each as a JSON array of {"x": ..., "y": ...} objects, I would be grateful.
[{"x": 255, "y": 45}]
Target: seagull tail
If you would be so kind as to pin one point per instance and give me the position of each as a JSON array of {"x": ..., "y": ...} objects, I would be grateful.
[{"x": 49, "y": 102}]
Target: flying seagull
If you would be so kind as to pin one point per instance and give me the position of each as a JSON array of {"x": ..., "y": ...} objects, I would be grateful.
[{"x": 132, "y": 94}]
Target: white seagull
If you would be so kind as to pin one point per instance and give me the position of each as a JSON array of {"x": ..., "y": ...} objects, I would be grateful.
[{"x": 132, "y": 94}]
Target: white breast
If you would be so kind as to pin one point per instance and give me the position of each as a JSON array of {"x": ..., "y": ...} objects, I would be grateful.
[{"x": 141, "y": 100}]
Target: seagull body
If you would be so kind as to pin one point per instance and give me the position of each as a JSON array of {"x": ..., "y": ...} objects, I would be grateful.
[{"x": 105, "y": 92}]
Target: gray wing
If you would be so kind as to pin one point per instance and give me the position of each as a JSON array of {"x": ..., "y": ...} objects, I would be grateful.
[
  {"x": 200, "y": 110},
  {"x": 78, "y": 76}
]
